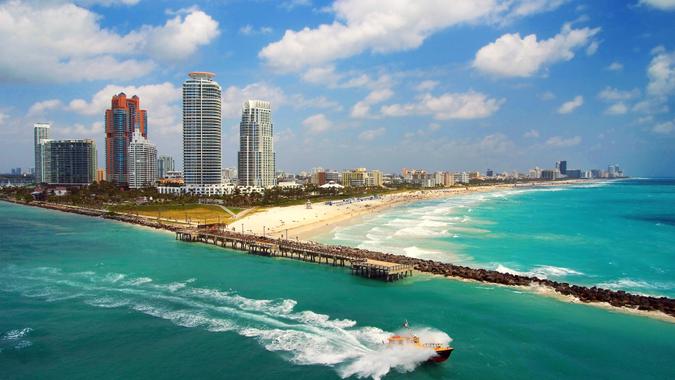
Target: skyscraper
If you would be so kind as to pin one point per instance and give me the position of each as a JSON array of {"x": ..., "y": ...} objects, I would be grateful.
[
  {"x": 256, "y": 145},
  {"x": 201, "y": 130},
  {"x": 123, "y": 118},
  {"x": 142, "y": 162},
  {"x": 563, "y": 167},
  {"x": 40, "y": 133},
  {"x": 69, "y": 162},
  {"x": 165, "y": 164}
]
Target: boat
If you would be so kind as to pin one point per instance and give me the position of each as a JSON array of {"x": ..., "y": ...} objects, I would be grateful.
[{"x": 442, "y": 351}]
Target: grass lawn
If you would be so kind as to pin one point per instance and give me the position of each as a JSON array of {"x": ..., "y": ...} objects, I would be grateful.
[{"x": 195, "y": 212}]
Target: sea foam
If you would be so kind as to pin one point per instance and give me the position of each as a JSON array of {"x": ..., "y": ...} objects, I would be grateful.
[{"x": 304, "y": 337}]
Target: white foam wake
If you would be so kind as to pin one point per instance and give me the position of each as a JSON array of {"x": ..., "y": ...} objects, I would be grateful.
[{"x": 303, "y": 337}]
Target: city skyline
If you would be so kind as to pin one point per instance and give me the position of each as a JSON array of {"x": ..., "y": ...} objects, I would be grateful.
[{"x": 594, "y": 85}]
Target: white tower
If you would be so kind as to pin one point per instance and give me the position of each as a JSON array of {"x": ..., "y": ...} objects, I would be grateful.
[
  {"x": 256, "y": 145},
  {"x": 142, "y": 164},
  {"x": 40, "y": 133},
  {"x": 202, "y": 122}
]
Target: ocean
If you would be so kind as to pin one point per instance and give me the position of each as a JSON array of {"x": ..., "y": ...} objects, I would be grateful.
[
  {"x": 617, "y": 234},
  {"x": 84, "y": 298}
]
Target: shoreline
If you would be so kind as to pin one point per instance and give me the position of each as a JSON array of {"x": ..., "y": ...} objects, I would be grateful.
[
  {"x": 302, "y": 224},
  {"x": 661, "y": 308}
]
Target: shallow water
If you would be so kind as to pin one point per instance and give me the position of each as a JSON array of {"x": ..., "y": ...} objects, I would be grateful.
[
  {"x": 617, "y": 235},
  {"x": 90, "y": 298}
]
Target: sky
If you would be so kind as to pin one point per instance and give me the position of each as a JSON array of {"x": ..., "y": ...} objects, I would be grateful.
[{"x": 441, "y": 85}]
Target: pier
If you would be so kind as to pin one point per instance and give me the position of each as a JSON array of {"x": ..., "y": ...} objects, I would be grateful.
[{"x": 314, "y": 253}]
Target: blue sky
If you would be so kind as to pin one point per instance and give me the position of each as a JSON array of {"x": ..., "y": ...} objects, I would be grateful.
[{"x": 442, "y": 85}]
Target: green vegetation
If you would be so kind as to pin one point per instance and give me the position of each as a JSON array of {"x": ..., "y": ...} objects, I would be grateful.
[
  {"x": 149, "y": 202},
  {"x": 204, "y": 214}
]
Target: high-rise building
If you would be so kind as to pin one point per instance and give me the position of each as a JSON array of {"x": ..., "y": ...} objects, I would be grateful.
[
  {"x": 165, "y": 164},
  {"x": 550, "y": 174},
  {"x": 318, "y": 178},
  {"x": 69, "y": 162},
  {"x": 256, "y": 145},
  {"x": 562, "y": 166},
  {"x": 100, "y": 175},
  {"x": 202, "y": 121},
  {"x": 40, "y": 133},
  {"x": 142, "y": 164},
  {"x": 124, "y": 117}
]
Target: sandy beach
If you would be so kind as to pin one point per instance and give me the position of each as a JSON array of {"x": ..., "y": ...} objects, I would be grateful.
[{"x": 302, "y": 223}]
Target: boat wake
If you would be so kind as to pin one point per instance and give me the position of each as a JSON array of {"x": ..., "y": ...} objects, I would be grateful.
[{"x": 302, "y": 337}]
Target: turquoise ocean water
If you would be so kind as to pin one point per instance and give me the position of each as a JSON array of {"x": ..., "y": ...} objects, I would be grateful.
[
  {"x": 84, "y": 298},
  {"x": 618, "y": 235}
]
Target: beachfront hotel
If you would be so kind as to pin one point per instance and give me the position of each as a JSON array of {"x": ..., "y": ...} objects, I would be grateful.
[
  {"x": 124, "y": 117},
  {"x": 256, "y": 158},
  {"x": 142, "y": 156},
  {"x": 40, "y": 133},
  {"x": 202, "y": 130},
  {"x": 202, "y": 119}
]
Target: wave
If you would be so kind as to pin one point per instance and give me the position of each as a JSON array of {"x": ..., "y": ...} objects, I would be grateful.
[
  {"x": 540, "y": 271},
  {"x": 304, "y": 337},
  {"x": 627, "y": 283},
  {"x": 16, "y": 334},
  {"x": 15, "y": 339}
]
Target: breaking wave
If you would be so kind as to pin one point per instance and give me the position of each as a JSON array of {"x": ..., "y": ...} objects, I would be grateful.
[
  {"x": 540, "y": 271},
  {"x": 630, "y": 284},
  {"x": 303, "y": 337},
  {"x": 15, "y": 339}
]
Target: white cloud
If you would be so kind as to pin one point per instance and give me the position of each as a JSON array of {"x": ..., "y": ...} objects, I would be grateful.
[
  {"x": 664, "y": 5},
  {"x": 3, "y": 117},
  {"x": 234, "y": 97},
  {"x": 38, "y": 109},
  {"x": 531, "y": 134},
  {"x": 291, "y": 4},
  {"x": 249, "y": 30},
  {"x": 592, "y": 48},
  {"x": 361, "y": 26},
  {"x": 664, "y": 128},
  {"x": 548, "y": 95},
  {"x": 162, "y": 101},
  {"x": 651, "y": 106},
  {"x": 62, "y": 42},
  {"x": 571, "y": 105},
  {"x": 615, "y": 66},
  {"x": 560, "y": 142},
  {"x": 614, "y": 94},
  {"x": 181, "y": 36},
  {"x": 661, "y": 73},
  {"x": 362, "y": 108},
  {"x": 371, "y": 134},
  {"x": 619, "y": 108},
  {"x": 468, "y": 105},
  {"x": 426, "y": 85},
  {"x": 81, "y": 131},
  {"x": 298, "y": 101},
  {"x": 316, "y": 124},
  {"x": 108, "y": 3},
  {"x": 513, "y": 56}
]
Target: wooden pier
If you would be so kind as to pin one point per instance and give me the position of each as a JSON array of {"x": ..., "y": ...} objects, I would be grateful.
[
  {"x": 314, "y": 253},
  {"x": 382, "y": 270}
]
